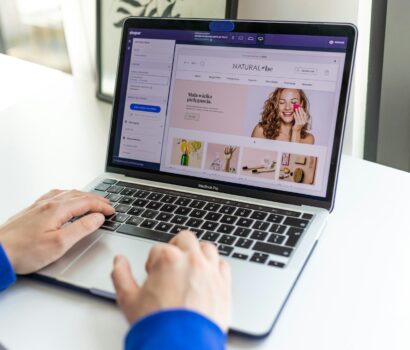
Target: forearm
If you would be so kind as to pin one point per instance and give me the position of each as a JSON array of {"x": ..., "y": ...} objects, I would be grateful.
[
  {"x": 7, "y": 275},
  {"x": 175, "y": 329}
]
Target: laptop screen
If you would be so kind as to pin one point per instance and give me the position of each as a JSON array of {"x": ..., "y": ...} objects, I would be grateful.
[{"x": 251, "y": 109}]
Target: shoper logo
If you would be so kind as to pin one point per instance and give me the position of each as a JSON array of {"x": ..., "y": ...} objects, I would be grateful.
[
  {"x": 208, "y": 187},
  {"x": 252, "y": 67}
]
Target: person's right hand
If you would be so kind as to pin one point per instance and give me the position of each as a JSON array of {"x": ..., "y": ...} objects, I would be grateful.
[
  {"x": 42, "y": 233},
  {"x": 185, "y": 273}
]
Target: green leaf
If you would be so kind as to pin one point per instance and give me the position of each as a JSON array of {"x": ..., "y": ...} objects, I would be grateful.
[
  {"x": 134, "y": 3},
  {"x": 120, "y": 23},
  {"x": 123, "y": 10},
  {"x": 153, "y": 12},
  {"x": 168, "y": 10}
]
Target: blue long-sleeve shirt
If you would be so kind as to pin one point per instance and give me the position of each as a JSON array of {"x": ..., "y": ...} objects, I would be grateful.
[{"x": 174, "y": 329}]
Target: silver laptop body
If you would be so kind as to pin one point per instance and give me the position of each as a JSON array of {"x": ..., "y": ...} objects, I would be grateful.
[{"x": 186, "y": 132}]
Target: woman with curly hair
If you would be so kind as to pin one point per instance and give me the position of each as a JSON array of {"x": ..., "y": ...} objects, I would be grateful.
[{"x": 285, "y": 117}]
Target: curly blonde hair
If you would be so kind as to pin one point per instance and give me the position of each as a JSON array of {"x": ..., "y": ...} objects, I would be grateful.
[{"x": 270, "y": 119}]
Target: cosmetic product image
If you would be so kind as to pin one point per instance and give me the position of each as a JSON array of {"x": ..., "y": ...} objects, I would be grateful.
[
  {"x": 216, "y": 163},
  {"x": 184, "y": 158},
  {"x": 298, "y": 175}
]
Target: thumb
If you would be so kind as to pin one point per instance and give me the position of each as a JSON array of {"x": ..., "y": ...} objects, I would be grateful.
[{"x": 125, "y": 285}]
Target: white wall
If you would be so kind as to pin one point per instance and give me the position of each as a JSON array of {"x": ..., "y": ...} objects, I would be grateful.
[{"x": 352, "y": 11}]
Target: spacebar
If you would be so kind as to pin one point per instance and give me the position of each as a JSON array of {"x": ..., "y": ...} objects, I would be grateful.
[{"x": 145, "y": 233}]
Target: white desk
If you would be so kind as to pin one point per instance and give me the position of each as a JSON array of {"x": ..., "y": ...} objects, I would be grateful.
[{"x": 353, "y": 294}]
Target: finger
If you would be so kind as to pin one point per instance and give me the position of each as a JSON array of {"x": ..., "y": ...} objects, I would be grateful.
[
  {"x": 70, "y": 208},
  {"x": 78, "y": 194},
  {"x": 125, "y": 285},
  {"x": 162, "y": 253},
  {"x": 186, "y": 241},
  {"x": 225, "y": 271},
  {"x": 210, "y": 251},
  {"x": 72, "y": 233}
]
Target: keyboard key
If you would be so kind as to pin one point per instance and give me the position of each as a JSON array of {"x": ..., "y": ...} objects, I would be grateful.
[
  {"x": 109, "y": 225},
  {"x": 272, "y": 249},
  {"x": 226, "y": 209},
  {"x": 229, "y": 240},
  {"x": 210, "y": 236},
  {"x": 307, "y": 216},
  {"x": 242, "y": 232},
  {"x": 141, "y": 194},
  {"x": 197, "y": 213},
  {"x": 178, "y": 219},
  {"x": 163, "y": 226},
  {"x": 296, "y": 222},
  {"x": 169, "y": 208},
  {"x": 228, "y": 219},
  {"x": 128, "y": 192},
  {"x": 149, "y": 223},
  {"x": 224, "y": 228},
  {"x": 275, "y": 218},
  {"x": 197, "y": 204},
  {"x": 126, "y": 200},
  {"x": 168, "y": 199},
  {"x": 144, "y": 233},
  {"x": 294, "y": 233},
  {"x": 155, "y": 196},
  {"x": 212, "y": 207},
  {"x": 259, "y": 235},
  {"x": 102, "y": 187},
  {"x": 213, "y": 216},
  {"x": 177, "y": 229},
  {"x": 259, "y": 215},
  {"x": 120, "y": 217},
  {"x": 198, "y": 233},
  {"x": 224, "y": 250},
  {"x": 183, "y": 202},
  {"x": 154, "y": 205},
  {"x": 164, "y": 217},
  {"x": 140, "y": 203},
  {"x": 275, "y": 263},
  {"x": 194, "y": 222},
  {"x": 149, "y": 214},
  {"x": 259, "y": 258},
  {"x": 113, "y": 197},
  {"x": 260, "y": 225},
  {"x": 135, "y": 211},
  {"x": 210, "y": 225},
  {"x": 122, "y": 208},
  {"x": 277, "y": 228},
  {"x": 277, "y": 239},
  {"x": 99, "y": 193},
  {"x": 242, "y": 212},
  {"x": 110, "y": 181},
  {"x": 115, "y": 189},
  {"x": 240, "y": 256},
  {"x": 183, "y": 211},
  {"x": 244, "y": 243},
  {"x": 285, "y": 212},
  {"x": 134, "y": 220},
  {"x": 243, "y": 222}
]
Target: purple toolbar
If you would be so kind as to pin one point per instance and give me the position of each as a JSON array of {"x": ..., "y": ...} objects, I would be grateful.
[{"x": 280, "y": 40}]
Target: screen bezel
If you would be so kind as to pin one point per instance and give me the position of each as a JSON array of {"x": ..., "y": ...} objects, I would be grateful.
[{"x": 292, "y": 28}]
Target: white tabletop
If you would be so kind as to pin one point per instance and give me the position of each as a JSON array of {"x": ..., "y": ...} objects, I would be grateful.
[{"x": 353, "y": 294}]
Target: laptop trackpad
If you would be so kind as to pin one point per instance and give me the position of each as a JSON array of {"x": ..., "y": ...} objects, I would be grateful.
[{"x": 92, "y": 269}]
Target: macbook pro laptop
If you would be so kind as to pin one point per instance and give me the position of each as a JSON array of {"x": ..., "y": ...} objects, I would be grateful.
[{"x": 232, "y": 129}]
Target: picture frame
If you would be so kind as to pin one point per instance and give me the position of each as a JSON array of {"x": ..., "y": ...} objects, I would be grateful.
[{"x": 112, "y": 13}]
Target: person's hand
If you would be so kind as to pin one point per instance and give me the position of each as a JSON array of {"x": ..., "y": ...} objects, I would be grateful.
[
  {"x": 185, "y": 273},
  {"x": 41, "y": 233},
  {"x": 301, "y": 119}
]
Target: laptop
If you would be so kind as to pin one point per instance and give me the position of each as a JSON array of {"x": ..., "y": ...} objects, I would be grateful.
[{"x": 232, "y": 129}]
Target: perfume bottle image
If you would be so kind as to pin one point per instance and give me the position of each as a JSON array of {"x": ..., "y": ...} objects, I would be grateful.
[{"x": 185, "y": 158}]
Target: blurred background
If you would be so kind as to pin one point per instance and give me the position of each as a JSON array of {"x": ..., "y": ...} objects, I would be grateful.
[{"x": 61, "y": 34}]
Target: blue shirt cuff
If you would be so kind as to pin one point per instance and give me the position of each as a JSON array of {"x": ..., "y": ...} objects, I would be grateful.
[
  {"x": 175, "y": 329},
  {"x": 7, "y": 275}
]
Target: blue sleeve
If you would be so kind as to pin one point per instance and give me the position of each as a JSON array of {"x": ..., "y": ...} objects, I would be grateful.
[
  {"x": 7, "y": 275},
  {"x": 177, "y": 329}
]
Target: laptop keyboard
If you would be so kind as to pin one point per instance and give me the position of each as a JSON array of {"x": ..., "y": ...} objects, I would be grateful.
[{"x": 259, "y": 234}]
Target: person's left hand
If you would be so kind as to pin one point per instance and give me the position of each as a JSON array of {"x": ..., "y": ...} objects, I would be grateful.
[
  {"x": 301, "y": 119},
  {"x": 42, "y": 233}
]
